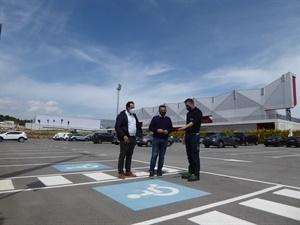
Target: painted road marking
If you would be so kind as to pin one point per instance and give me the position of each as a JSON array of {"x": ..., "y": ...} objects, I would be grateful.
[
  {"x": 282, "y": 156},
  {"x": 288, "y": 193},
  {"x": 205, "y": 207},
  {"x": 226, "y": 160},
  {"x": 274, "y": 207},
  {"x": 54, "y": 180},
  {"x": 148, "y": 194},
  {"x": 43, "y": 157},
  {"x": 6, "y": 185},
  {"x": 100, "y": 176},
  {"x": 216, "y": 217},
  {"x": 80, "y": 167}
]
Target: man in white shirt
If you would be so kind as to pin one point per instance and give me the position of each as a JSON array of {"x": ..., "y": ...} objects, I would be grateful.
[{"x": 128, "y": 128}]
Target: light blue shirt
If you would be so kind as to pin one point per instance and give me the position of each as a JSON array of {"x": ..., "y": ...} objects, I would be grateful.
[{"x": 131, "y": 124}]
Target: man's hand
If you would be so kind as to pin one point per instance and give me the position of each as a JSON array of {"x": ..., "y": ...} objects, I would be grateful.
[
  {"x": 126, "y": 139},
  {"x": 160, "y": 131},
  {"x": 182, "y": 128},
  {"x": 165, "y": 131}
]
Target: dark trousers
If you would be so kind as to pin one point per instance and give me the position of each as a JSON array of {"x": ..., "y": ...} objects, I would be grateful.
[
  {"x": 126, "y": 152},
  {"x": 159, "y": 148},
  {"x": 192, "y": 150}
]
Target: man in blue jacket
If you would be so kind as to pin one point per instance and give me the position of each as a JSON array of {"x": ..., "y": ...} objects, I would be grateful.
[
  {"x": 128, "y": 128},
  {"x": 161, "y": 126}
]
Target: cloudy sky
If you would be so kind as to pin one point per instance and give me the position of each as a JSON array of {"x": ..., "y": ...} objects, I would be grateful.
[{"x": 66, "y": 57}]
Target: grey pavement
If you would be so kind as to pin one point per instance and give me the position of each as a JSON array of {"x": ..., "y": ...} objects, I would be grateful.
[{"x": 75, "y": 183}]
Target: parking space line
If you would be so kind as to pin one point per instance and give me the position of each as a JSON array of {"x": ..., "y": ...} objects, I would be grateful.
[
  {"x": 216, "y": 217},
  {"x": 205, "y": 207},
  {"x": 54, "y": 180},
  {"x": 41, "y": 157},
  {"x": 6, "y": 185},
  {"x": 281, "y": 156},
  {"x": 227, "y": 160},
  {"x": 35, "y": 153},
  {"x": 273, "y": 207},
  {"x": 288, "y": 193}
]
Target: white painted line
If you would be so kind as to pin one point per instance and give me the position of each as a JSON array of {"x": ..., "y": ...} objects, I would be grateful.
[
  {"x": 215, "y": 217},
  {"x": 54, "y": 180},
  {"x": 100, "y": 176},
  {"x": 227, "y": 160},
  {"x": 283, "y": 156},
  {"x": 253, "y": 153},
  {"x": 86, "y": 152},
  {"x": 6, "y": 185},
  {"x": 205, "y": 207},
  {"x": 42, "y": 157},
  {"x": 274, "y": 207},
  {"x": 288, "y": 193},
  {"x": 35, "y": 153},
  {"x": 140, "y": 173},
  {"x": 49, "y": 164}
]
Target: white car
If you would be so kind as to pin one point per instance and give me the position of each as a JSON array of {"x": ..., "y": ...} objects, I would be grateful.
[
  {"x": 13, "y": 135},
  {"x": 59, "y": 136}
]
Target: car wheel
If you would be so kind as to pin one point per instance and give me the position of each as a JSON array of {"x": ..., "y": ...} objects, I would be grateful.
[
  {"x": 140, "y": 145},
  {"x": 256, "y": 143},
  {"x": 266, "y": 145},
  {"x": 221, "y": 144},
  {"x": 74, "y": 139},
  {"x": 61, "y": 139},
  {"x": 288, "y": 146},
  {"x": 100, "y": 141},
  {"x": 148, "y": 144},
  {"x": 206, "y": 146},
  {"x": 236, "y": 145},
  {"x": 169, "y": 144},
  {"x": 86, "y": 139},
  {"x": 95, "y": 142},
  {"x": 1, "y": 139},
  {"x": 246, "y": 143},
  {"x": 21, "y": 139}
]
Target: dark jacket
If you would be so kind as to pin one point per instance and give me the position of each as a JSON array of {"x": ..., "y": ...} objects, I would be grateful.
[
  {"x": 159, "y": 122},
  {"x": 121, "y": 126}
]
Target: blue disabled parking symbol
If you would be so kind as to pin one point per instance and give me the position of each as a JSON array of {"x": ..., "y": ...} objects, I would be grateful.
[
  {"x": 148, "y": 194},
  {"x": 80, "y": 167}
]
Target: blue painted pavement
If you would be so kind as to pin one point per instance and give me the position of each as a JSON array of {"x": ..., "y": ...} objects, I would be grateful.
[
  {"x": 80, "y": 167},
  {"x": 148, "y": 194}
]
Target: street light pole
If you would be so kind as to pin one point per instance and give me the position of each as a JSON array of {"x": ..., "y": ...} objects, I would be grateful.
[{"x": 118, "y": 89}]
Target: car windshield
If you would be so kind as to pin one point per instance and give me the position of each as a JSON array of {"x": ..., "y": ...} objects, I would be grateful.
[{"x": 210, "y": 134}]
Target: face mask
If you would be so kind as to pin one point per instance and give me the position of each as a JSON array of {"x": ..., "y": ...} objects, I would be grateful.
[
  {"x": 188, "y": 108},
  {"x": 131, "y": 111},
  {"x": 162, "y": 113}
]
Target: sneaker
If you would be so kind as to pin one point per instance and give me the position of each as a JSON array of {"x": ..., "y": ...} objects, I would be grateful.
[
  {"x": 185, "y": 175},
  {"x": 159, "y": 174},
  {"x": 151, "y": 175},
  {"x": 193, "y": 177},
  {"x": 121, "y": 176},
  {"x": 130, "y": 174}
]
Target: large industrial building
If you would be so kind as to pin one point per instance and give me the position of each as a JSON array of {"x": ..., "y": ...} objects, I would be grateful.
[
  {"x": 239, "y": 109},
  {"x": 236, "y": 110}
]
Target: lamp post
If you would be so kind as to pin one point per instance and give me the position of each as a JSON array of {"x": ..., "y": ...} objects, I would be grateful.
[{"x": 118, "y": 89}]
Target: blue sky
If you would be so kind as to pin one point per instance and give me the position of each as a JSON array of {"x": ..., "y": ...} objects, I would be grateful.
[{"x": 66, "y": 57}]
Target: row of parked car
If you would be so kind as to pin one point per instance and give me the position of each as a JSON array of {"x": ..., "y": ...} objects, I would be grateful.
[{"x": 221, "y": 139}]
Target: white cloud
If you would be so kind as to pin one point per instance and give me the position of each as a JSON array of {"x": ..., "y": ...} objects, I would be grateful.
[
  {"x": 38, "y": 107},
  {"x": 10, "y": 104}
]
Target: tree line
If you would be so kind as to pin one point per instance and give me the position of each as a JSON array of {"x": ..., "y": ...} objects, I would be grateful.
[{"x": 16, "y": 120}]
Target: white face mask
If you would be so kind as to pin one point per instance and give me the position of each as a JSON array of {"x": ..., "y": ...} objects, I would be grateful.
[{"x": 131, "y": 111}]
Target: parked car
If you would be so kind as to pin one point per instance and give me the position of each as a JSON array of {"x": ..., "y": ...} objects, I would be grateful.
[
  {"x": 13, "y": 135},
  {"x": 59, "y": 136},
  {"x": 115, "y": 140},
  {"x": 98, "y": 138},
  {"x": 78, "y": 137},
  {"x": 244, "y": 138},
  {"x": 219, "y": 139},
  {"x": 293, "y": 141},
  {"x": 147, "y": 141},
  {"x": 275, "y": 141},
  {"x": 67, "y": 136}
]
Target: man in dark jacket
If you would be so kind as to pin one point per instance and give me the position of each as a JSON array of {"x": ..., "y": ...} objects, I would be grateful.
[
  {"x": 161, "y": 126},
  {"x": 128, "y": 128}
]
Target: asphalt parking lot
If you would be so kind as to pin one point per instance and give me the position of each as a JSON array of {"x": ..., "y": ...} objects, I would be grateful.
[{"x": 60, "y": 182}]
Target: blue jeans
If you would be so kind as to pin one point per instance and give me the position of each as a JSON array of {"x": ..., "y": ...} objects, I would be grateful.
[
  {"x": 192, "y": 150},
  {"x": 159, "y": 148}
]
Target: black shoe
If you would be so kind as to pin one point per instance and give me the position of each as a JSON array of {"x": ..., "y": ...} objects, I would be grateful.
[
  {"x": 193, "y": 177},
  {"x": 151, "y": 175},
  {"x": 159, "y": 174},
  {"x": 185, "y": 175}
]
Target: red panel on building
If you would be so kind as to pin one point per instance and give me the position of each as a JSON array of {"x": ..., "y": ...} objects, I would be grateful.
[{"x": 294, "y": 91}]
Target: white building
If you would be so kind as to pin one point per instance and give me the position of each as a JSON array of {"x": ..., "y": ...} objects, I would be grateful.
[{"x": 239, "y": 109}]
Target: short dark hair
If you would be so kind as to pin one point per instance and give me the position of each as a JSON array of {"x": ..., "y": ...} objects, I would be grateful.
[
  {"x": 128, "y": 104},
  {"x": 162, "y": 106},
  {"x": 189, "y": 100}
]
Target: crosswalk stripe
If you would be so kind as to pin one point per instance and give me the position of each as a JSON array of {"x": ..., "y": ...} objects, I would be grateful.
[
  {"x": 274, "y": 207},
  {"x": 288, "y": 193},
  {"x": 218, "y": 218},
  {"x": 54, "y": 180},
  {"x": 99, "y": 176},
  {"x": 6, "y": 185}
]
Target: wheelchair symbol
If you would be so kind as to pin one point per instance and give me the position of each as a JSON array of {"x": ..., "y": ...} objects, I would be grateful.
[
  {"x": 156, "y": 190},
  {"x": 85, "y": 166}
]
